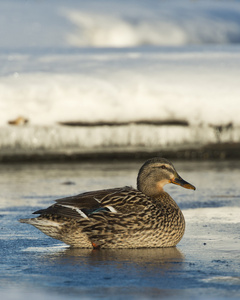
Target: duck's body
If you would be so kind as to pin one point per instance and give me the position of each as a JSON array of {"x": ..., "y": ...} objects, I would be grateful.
[{"x": 119, "y": 217}]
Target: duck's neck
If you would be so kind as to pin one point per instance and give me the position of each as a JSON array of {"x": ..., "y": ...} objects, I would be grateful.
[
  {"x": 156, "y": 192},
  {"x": 150, "y": 189},
  {"x": 149, "y": 183}
]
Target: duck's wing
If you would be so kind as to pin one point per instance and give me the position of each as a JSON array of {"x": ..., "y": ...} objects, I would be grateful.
[{"x": 116, "y": 200}]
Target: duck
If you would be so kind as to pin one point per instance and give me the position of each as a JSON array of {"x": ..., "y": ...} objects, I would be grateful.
[{"x": 122, "y": 217}]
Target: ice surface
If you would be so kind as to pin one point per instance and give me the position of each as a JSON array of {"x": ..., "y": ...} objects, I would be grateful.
[{"x": 205, "y": 264}]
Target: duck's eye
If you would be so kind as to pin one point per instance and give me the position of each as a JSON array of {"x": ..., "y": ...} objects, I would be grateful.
[{"x": 163, "y": 167}]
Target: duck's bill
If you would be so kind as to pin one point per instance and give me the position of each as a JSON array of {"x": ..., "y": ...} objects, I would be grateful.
[{"x": 183, "y": 183}]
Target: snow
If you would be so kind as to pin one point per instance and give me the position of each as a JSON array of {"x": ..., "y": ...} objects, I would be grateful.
[
  {"x": 192, "y": 85},
  {"x": 104, "y": 23},
  {"x": 111, "y": 61}
]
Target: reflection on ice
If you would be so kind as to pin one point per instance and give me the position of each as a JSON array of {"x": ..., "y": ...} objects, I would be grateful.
[
  {"x": 231, "y": 280},
  {"x": 44, "y": 249},
  {"x": 153, "y": 258}
]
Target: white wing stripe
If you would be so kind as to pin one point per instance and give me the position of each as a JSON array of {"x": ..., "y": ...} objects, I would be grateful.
[
  {"x": 112, "y": 209},
  {"x": 97, "y": 200},
  {"x": 81, "y": 213}
]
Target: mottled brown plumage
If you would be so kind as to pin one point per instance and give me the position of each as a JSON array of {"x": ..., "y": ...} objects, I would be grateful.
[{"x": 119, "y": 217}]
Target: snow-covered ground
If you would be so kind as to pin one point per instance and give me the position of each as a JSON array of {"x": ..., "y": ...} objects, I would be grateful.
[
  {"x": 197, "y": 85},
  {"x": 122, "y": 63}
]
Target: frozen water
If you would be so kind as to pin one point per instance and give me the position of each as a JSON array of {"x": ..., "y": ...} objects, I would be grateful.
[{"x": 205, "y": 265}]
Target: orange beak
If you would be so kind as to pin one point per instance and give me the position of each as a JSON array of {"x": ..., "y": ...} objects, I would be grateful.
[{"x": 183, "y": 183}]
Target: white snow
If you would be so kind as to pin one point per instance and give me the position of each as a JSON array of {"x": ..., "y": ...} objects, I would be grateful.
[
  {"x": 102, "y": 61},
  {"x": 201, "y": 87},
  {"x": 104, "y": 23}
]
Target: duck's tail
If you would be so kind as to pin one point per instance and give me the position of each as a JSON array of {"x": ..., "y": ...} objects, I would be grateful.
[
  {"x": 27, "y": 221},
  {"x": 48, "y": 227},
  {"x": 62, "y": 231}
]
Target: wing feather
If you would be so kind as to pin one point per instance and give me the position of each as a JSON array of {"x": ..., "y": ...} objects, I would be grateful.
[{"x": 122, "y": 200}]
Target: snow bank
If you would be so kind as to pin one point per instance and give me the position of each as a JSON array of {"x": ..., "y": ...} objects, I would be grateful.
[
  {"x": 199, "y": 86},
  {"x": 103, "y": 23},
  {"x": 103, "y": 62},
  {"x": 155, "y": 23}
]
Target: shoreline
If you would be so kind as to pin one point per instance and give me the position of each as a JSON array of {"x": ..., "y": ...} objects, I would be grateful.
[{"x": 217, "y": 151}]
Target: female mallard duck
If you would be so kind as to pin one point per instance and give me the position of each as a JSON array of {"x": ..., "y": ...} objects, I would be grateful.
[{"x": 119, "y": 217}]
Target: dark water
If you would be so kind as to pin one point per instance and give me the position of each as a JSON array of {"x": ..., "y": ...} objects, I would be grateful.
[{"x": 205, "y": 265}]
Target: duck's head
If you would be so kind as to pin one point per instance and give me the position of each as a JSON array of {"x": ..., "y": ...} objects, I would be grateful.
[{"x": 157, "y": 172}]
